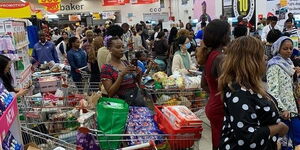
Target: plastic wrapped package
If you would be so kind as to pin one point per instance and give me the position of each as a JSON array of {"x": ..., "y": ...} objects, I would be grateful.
[{"x": 140, "y": 121}]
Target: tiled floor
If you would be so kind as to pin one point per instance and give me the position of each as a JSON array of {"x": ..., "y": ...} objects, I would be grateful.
[{"x": 205, "y": 141}]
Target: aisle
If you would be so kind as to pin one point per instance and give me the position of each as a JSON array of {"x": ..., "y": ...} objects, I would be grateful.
[{"x": 205, "y": 141}]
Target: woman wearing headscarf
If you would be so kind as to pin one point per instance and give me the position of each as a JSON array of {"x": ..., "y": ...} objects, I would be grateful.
[{"x": 280, "y": 75}]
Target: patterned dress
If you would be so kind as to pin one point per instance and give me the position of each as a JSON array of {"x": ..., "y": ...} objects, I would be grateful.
[
  {"x": 246, "y": 121},
  {"x": 280, "y": 86}
]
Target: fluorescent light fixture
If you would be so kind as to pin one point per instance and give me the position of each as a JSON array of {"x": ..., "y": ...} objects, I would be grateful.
[{"x": 52, "y": 16}]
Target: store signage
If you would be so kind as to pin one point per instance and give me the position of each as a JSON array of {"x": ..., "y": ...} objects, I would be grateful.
[
  {"x": 144, "y": 1},
  {"x": 13, "y": 5},
  {"x": 245, "y": 8},
  {"x": 114, "y": 2},
  {"x": 155, "y": 10},
  {"x": 53, "y": 9},
  {"x": 96, "y": 16},
  {"x": 71, "y": 6},
  {"x": 8, "y": 118},
  {"x": 49, "y": 3}
]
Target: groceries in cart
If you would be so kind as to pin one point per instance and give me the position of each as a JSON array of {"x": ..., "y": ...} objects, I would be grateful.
[
  {"x": 10, "y": 143},
  {"x": 5, "y": 99},
  {"x": 175, "y": 81},
  {"x": 141, "y": 121}
]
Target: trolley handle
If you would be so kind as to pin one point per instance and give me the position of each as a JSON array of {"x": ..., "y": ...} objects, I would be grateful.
[{"x": 144, "y": 145}]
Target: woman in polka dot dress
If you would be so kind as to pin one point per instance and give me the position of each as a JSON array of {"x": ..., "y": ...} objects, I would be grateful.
[
  {"x": 216, "y": 36},
  {"x": 251, "y": 115}
]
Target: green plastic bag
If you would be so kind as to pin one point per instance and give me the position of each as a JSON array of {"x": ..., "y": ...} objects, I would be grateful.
[{"x": 111, "y": 119}]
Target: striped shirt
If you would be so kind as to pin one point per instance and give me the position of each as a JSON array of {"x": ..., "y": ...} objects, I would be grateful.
[{"x": 291, "y": 32}]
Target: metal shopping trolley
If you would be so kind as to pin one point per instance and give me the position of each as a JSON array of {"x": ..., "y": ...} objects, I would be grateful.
[
  {"x": 194, "y": 99},
  {"x": 44, "y": 141},
  {"x": 85, "y": 86}
]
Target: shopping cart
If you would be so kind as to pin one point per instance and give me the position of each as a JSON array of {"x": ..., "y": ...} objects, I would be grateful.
[
  {"x": 85, "y": 86},
  {"x": 194, "y": 99},
  {"x": 44, "y": 141}
]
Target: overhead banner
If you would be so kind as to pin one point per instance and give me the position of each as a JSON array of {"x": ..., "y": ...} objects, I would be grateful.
[
  {"x": 15, "y": 10},
  {"x": 143, "y": 1},
  {"x": 114, "y": 2}
]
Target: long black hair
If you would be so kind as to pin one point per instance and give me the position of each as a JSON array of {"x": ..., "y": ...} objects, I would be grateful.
[
  {"x": 71, "y": 41},
  {"x": 173, "y": 34},
  {"x": 6, "y": 77},
  {"x": 61, "y": 38}
]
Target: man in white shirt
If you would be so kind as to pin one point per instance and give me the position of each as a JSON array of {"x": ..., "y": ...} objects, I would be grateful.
[{"x": 269, "y": 27}]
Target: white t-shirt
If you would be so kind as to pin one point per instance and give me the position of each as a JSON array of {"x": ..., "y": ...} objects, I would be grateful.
[{"x": 266, "y": 30}]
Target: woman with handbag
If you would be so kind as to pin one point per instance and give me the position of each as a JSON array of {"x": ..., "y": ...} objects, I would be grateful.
[{"x": 119, "y": 77}]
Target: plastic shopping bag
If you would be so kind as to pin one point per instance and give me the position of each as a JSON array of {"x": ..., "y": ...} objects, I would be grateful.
[{"x": 111, "y": 119}]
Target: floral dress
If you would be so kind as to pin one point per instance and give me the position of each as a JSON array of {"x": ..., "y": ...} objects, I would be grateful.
[
  {"x": 280, "y": 86},
  {"x": 246, "y": 120}
]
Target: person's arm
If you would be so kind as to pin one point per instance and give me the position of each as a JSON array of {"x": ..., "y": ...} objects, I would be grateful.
[
  {"x": 71, "y": 61},
  {"x": 110, "y": 86},
  {"x": 274, "y": 85},
  {"x": 176, "y": 65},
  {"x": 245, "y": 122}
]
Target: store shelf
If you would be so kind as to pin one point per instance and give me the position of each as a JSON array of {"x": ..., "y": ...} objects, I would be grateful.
[
  {"x": 8, "y": 118},
  {"x": 22, "y": 46}
]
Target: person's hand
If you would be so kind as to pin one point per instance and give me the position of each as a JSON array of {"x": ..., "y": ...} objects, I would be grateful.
[
  {"x": 283, "y": 129},
  {"x": 286, "y": 115},
  {"x": 128, "y": 70},
  {"x": 297, "y": 69},
  {"x": 22, "y": 92}
]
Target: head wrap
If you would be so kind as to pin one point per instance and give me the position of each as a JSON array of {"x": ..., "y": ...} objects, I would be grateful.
[{"x": 277, "y": 45}]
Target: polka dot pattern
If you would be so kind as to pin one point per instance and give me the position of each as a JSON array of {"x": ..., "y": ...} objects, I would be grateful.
[
  {"x": 231, "y": 118},
  {"x": 240, "y": 124},
  {"x": 267, "y": 108},
  {"x": 227, "y": 147},
  {"x": 273, "y": 114},
  {"x": 235, "y": 100},
  {"x": 274, "y": 138},
  {"x": 259, "y": 96},
  {"x": 253, "y": 145},
  {"x": 251, "y": 129},
  {"x": 245, "y": 106},
  {"x": 253, "y": 112},
  {"x": 253, "y": 116},
  {"x": 241, "y": 142},
  {"x": 228, "y": 94},
  {"x": 243, "y": 89},
  {"x": 278, "y": 120},
  {"x": 262, "y": 142}
]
